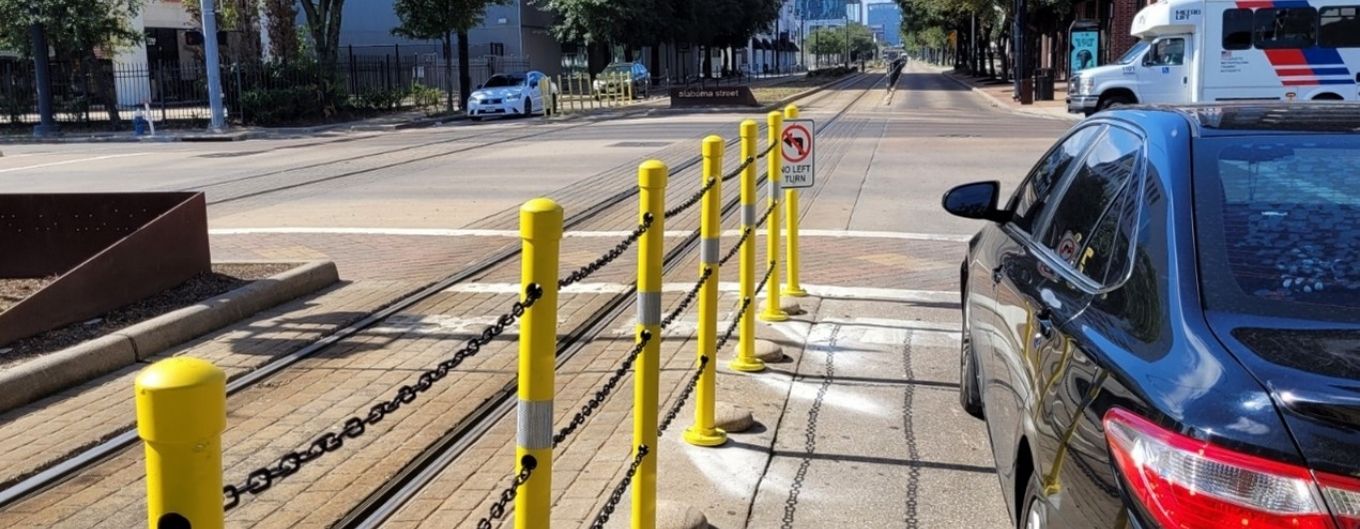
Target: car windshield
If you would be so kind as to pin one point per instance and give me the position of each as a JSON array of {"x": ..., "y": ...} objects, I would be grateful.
[
  {"x": 1134, "y": 52},
  {"x": 504, "y": 80},
  {"x": 1278, "y": 223}
]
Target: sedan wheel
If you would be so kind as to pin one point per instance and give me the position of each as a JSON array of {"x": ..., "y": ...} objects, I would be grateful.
[
  {"x": 970, "y": 394},
  {"x": 1034, "y": 516}
]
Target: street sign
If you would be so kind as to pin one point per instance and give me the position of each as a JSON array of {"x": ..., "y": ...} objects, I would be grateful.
[{"x": 796, "y": 147}]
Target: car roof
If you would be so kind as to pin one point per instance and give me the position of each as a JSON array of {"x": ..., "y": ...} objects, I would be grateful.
[{"x": 1238, "y": 119}]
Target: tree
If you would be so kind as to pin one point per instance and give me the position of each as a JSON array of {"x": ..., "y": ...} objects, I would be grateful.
[
  {"x": 440, "y": 19},
  {"x": 240, "y": 16},
  {"x": 279, "y": 25},
  {"x": 77, "y": 29},
  {"x": 323, "y": 22},
  {"x": 831, "y": 40}
]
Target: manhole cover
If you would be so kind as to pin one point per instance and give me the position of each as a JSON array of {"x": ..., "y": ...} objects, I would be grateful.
[{"x": 641, "y": 144}]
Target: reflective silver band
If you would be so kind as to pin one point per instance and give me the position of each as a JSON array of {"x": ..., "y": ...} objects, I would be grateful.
[
  {"x": 748, "y": 214},
  {"x": 775, "y": 188},
  {"x": 535, "y": 424},
  {"x": 649, "y": 308},
  {"x": 708, "y": 251}
]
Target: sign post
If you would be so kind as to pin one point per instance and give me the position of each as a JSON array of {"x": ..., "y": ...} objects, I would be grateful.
[{"x": 797, "y": 144}]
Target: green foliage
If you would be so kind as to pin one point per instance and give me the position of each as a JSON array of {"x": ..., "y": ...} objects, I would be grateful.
[
  {"x": 426, "y": 98},
  {"x": 434, "y": 19},
  {"x": 73, "y": 26},
  {"x": 378, "y": 100},
  {"x": 638, "y": 23},
  {"x": 832, "y": 41},
  {"x": 292, "y": 93}
]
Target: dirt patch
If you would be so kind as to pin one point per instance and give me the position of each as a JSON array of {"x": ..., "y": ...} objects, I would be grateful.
[
  {"x": 12, "y": 291},
  {"x": 223, "y": 278},
  {"x": 778, "y": 92}
]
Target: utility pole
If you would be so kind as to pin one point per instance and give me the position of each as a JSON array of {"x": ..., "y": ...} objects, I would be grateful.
[
  {"x": 847, "y": 35},
  {"x": 1018, "y": 45},
  {"x": 219, "y": 118},
  {"x": 42, "y": 76}
]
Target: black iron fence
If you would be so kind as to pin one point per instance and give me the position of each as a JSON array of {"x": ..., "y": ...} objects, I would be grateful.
[{"x": 106, "y": 95}]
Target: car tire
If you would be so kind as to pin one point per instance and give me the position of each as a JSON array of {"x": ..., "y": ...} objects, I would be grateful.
[
  {"x": 1113, "y": 101},
  {"x": 1032, "y": 513},
  {"x": 475, "y": 118},
  {"x": 528, "y": 107},
  {"x": 970, "y": 395}
]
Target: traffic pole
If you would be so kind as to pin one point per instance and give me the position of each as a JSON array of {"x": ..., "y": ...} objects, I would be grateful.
[
  {"x": 773, "y": 310},
  {"x": 652, "y": 176},
  {"x": 181, "y": 414},
  {"x": 746, "y": 360},
  {"x": 540, "y": 228},
  {"x": 791, "y": 224},
  {"x": 703, "y": 432},
  {"x": 219, "y": 116}
]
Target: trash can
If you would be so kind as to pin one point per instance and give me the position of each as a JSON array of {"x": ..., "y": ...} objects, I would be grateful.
[
  {"x": 1026, "y": 95},
  {"x": 1043, "y": 84}
]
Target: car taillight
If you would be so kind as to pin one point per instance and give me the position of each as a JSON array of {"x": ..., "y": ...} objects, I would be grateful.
[{"x": 1187, "y": 483}]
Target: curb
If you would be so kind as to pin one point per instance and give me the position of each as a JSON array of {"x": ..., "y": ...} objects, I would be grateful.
[
  {"x": 768, "y": 107},
  {"x": 57, "y": 371},
  {"x": 1007, "y": 107}
]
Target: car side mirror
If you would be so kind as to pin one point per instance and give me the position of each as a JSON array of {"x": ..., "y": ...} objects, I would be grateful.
[
  {"x": 479, "y": 86},
  {"x": 976, "y": 201}
]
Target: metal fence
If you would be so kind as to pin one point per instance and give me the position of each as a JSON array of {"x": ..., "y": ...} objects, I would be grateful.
[{"x": 83, "y": 93}]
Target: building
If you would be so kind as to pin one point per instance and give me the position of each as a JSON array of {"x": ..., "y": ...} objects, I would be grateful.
[
  {"x": 778, "y": 50},
  {"x": 886, "y": 18},
  {"x": 518, "y": 29}
]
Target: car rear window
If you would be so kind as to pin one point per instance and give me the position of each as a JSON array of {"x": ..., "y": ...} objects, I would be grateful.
[{"x": 1278, "y": 224}]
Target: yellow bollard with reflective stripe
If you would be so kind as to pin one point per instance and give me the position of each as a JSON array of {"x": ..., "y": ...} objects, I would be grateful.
[
  {"x": 792, "y": 288},
  {"x": 652, "y": 176},
  {"x": 773, "y": 310},
  {"x": 545, "y": 90},
  {"x": 745, "y": 359},
  {"x": 181, "y": 413},
  {"x": 703, "y": 432},
  {"x": 540, "y": 228}
]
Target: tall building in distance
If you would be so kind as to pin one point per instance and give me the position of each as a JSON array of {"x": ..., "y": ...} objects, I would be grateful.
[{"x": 885, "y": 20}]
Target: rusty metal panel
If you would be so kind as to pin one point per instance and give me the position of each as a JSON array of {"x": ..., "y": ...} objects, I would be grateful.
[{"x": 109, "y": 249}]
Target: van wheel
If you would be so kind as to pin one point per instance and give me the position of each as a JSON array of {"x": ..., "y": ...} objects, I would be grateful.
[
  {"x": 1327, "y": 97},
  {"x": 1114, "y": 100}
]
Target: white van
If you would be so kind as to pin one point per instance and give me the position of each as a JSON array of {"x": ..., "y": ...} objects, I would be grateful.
[{"x": 1214, "y": 50}]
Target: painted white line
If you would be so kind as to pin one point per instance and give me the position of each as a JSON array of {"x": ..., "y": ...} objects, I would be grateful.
[
  {"x": 462, "y": 232},
  {"x": 68, "y": 162}
]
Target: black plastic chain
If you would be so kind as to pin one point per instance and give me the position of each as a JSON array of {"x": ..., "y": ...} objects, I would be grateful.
[
  {"x": 745, "y": 236},
  {"x": 768, "y": 149},
  {"x": 497, "y": 509},
  {"x": 693, "y": 199},
  {"x": 261, "y": 479},
  {"x": 732, "y": 328},
  {"x": 602, "y": 394},
  {"x": 617, "y": 494},
  {"x": 736, "y": 171},
  {"x": 684, "y": 396},
  {"x": 689, "y": 298},
  {"x": 609, "y": 257},
  {"x": 768, "y": 272}
]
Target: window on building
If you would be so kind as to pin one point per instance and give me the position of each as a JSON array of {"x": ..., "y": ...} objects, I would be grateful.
[
  {"x": 1340, "y": 27},
  {"x": 497, "y": 49},
  {"x": 1290, "y": 27},
  {"x": 1237, "y": 24}
]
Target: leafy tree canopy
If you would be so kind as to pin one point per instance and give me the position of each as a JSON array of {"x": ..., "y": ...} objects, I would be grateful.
[{"x": 71, "y": 25}]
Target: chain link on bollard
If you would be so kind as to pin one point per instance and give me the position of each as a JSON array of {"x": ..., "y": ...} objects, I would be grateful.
[
  {"x": 507, "y": 496},
  {"x": 745, "y": 237},
  {"x": 617, "y": 494},
  {"x": 603, "y": 393},
  {"x": 261, "y": 479},
  {"x": 688, "y": 299},
  {"x": 608, "y": 257}
]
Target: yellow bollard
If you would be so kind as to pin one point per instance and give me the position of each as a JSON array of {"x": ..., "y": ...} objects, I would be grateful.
[
  {"x": 746, "y": 330},
  {"x": 652, "y": 176},
  {"x": 773, "y": 310},
  {"x": 181, "y": 413},
  {"x": 540, "y": 228},
  {"x": 703, "y": 432},
  {"x": 791, "y": 223},
  {"x": 545, "y": 89}
]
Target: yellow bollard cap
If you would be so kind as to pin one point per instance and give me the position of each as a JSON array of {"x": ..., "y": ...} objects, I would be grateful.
[
  {"x": 791, "y": 112},
  {"x": 749, "y": 127},
  {"x": 652, "y": 174},
  {"x": 181, "y": 400},
  {"x": 540, "y": 217},
  {"x": 713, "y": 145}
]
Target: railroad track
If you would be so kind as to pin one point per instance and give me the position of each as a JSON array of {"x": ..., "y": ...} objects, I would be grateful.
[{"x": 386, "y": 501}]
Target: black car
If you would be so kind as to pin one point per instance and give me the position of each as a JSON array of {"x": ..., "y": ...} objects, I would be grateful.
[{"x": 1162, "y": 327}]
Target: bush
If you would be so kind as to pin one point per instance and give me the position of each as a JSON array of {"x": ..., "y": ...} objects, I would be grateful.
[
  {"x": 427, "y": 98},
  {"x": 284, "y": 94},
  {"x": 377, "y": 100}
]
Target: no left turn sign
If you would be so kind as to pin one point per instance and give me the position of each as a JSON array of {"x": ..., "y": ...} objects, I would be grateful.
[{"x": 797, "y": 147}]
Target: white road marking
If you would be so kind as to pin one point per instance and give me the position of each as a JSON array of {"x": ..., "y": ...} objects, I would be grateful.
[
  {"x": 469, "y": 232},
  {"x": 68, "y": 162}
]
